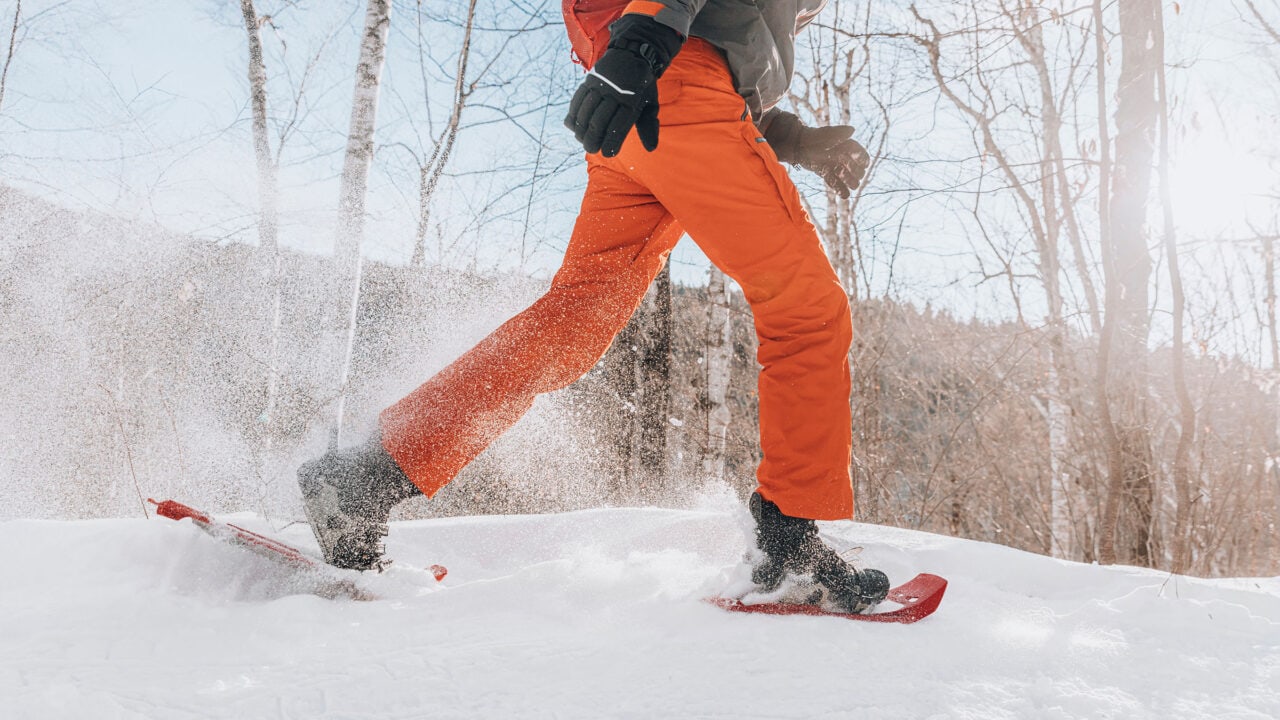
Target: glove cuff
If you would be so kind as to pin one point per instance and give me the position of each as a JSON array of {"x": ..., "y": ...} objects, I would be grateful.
[
  {"x": 782, "y": 132},
  {"x": 648, "y": 38}
]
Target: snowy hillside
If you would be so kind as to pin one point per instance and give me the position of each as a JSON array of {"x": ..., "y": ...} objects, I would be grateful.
[{"x": 596, "y": 614}]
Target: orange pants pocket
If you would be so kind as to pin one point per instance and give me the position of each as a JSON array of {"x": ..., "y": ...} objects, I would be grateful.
[{"x": 781, "y": 180}]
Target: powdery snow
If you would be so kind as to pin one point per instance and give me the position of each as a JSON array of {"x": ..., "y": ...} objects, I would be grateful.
[{"x": 596, "y": 614}]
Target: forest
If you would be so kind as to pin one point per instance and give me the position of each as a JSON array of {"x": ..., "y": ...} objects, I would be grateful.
[{"x": 219, "y": 251}]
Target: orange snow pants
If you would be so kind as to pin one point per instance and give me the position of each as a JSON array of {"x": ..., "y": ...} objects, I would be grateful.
[{"x": 714, "y": 177}]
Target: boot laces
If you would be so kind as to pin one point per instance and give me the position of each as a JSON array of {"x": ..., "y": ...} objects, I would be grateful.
[{"x": 852, "y": 556}]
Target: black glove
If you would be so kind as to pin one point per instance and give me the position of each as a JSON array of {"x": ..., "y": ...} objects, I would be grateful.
[
  {"x": 830, "y": 152},
  {"x": 621, "y": 91}
]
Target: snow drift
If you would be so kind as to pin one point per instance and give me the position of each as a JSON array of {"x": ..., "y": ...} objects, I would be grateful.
[{"x": 596, "y": 614}]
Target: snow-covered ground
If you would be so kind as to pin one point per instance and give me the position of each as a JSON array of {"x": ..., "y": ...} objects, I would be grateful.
[{"x": 596, "y": 614}]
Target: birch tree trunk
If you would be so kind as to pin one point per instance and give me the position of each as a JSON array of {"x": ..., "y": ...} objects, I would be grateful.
[
  {"x": 268, "y": 206},
  {"x": 354, "y": 188},
  {"x": 718, "y": 364},
  {"x": 268, "y": 210},
  {"x": 1131, "y": 465},
  {"x": 1030, "y": 34}
]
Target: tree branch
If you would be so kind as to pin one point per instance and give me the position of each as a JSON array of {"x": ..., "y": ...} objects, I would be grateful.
[{"x": 13, "y": 46}]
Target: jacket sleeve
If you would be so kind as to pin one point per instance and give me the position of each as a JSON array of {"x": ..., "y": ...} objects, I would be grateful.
[{"x": 675, "y": 14}]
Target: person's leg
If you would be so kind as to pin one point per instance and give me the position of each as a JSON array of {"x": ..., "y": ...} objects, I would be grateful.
[
  {"x": 620, "y": 242},
  {"x": 716, "y": 175}
]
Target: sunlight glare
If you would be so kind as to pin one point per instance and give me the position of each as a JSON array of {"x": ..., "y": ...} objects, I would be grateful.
[{"x": 1221, "y": 191}]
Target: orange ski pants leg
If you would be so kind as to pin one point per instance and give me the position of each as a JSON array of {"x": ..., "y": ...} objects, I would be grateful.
[
  {"x": 620, "y": 241},
  {"x": 715, "y": 176},
  {"x": 724, "y": 185}
]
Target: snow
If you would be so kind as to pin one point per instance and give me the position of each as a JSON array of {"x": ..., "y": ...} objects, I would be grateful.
[{"x": 596, "y": 614}]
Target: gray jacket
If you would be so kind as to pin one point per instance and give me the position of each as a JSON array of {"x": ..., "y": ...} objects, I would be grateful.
[{"x": 757, "y": 37}]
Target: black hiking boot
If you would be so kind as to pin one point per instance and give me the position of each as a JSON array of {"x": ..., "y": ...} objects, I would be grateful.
[
  {"x": 348, "y": 495},
  {"x": 791, "y": 546}
]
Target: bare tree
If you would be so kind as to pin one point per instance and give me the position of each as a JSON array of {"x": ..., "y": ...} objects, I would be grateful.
[
  {"x": 1182, "y": 471},
  {"x": 1105, "y": 342},
  {"x": 638, "y": 370},
  {"x": 13, "y": 48},
  {"x": 1269, "y": 299},
  {"x": 268, "y": 162},
  {"x": 486, "y": 87},
  {"x": 1026, "y": 22},
  {"x": 364, "y": 112},
  {"x": 1262, "y": 21},
  {"x": 654, "y": 367},
  {"x": 1131, "y": 464},
  {"x": 354, "y": 188},
  {"x": 842, "y": 85},
  {"x": 431, "y": 171},
  {"x": 268, "y": 195},
  {"x": 268, "y": 203},
  {"x": 1040, "y": 186}
]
